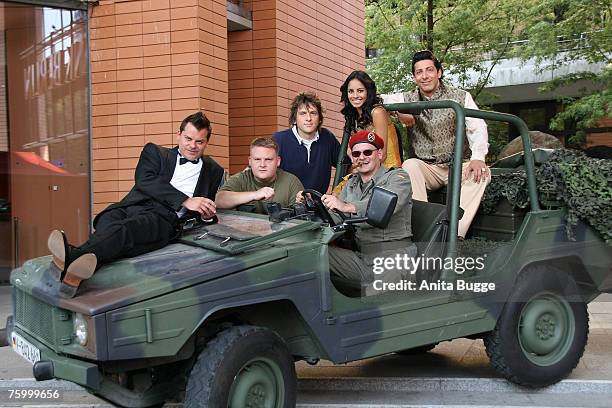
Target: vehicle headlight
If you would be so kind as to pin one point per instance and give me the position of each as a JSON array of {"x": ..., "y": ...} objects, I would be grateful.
[{"x": 79, "y": 328}]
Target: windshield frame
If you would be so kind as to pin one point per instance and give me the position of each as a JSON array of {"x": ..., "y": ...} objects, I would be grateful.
[{"x": 211, "y": 237}]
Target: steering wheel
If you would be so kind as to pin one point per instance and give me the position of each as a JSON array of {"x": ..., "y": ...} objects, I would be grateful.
[{"x": 318, "y": 205}]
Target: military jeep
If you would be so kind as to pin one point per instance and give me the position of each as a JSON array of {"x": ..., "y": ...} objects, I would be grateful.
[{"x": 219, "y": 317}]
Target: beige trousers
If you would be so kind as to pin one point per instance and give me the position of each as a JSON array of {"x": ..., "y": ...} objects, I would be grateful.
[{"x": 428, "y": 177}]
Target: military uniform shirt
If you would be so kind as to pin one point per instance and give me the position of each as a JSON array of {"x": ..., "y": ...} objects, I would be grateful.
[{"x": 358, "y": 193}]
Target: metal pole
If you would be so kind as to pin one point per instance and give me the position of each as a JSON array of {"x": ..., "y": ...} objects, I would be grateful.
[
  {"x": 345, "y": 139},
  {"x": 455, "y": 182},
  {"x": 527, "y": 155}
]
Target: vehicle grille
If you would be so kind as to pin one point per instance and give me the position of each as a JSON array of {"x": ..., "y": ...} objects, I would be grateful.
[{"x": 35, "y": 317}]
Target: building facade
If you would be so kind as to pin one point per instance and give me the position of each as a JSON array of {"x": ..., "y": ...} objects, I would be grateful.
[{"x": 87, "y": 84}]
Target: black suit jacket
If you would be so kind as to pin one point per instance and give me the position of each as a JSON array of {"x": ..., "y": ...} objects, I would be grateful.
[{"x": 154, "y": 173}]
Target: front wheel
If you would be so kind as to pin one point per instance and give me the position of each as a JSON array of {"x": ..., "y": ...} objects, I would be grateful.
[
  {"x": 542, "y": 331},
  {"x": 244, "y": 366}
]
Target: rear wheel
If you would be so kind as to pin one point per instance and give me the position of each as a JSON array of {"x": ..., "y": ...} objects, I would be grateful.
[
  {"x": 542, "y": 331},
  {"x": 244, "y": 366}
]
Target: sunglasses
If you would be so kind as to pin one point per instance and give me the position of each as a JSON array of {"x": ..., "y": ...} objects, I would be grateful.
[{"x": 366, "y": 153}]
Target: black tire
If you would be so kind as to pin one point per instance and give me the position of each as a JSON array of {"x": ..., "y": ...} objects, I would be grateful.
[
  {"x": 417, "y": 350},
  {"x": 243, "y": 366},
  {"x": 3, "y": 338},
  {"x": 542, "y": 331}
]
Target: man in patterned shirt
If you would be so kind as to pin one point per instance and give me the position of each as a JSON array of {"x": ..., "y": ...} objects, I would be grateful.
[{"x": 432, "y": 136}]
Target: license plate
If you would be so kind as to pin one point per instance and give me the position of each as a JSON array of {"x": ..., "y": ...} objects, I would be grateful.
[{"x": 24, "y": 348}]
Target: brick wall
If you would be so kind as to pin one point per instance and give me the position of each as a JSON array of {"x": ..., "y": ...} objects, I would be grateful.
[
  {"x": 153, "y": 62},
  {"x": 293, "y": 47}
]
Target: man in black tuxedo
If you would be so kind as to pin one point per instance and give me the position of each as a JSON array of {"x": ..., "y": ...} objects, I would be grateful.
[{"x": 170, "y": 184}]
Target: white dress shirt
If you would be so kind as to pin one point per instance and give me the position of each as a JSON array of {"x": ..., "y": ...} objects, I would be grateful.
[
  {"x": 476, "y": 132},
  {"x": 185, "y": 179},
  {"x": 306, "y": 142}
]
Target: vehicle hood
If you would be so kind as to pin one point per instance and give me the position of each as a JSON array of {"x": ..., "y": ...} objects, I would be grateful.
[{"x": 135, "y": 279}]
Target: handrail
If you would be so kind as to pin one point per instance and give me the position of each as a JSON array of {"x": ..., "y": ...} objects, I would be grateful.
[
  {"x": 345, "y": 139},
  {"x": 532, "y": 188},
  {"x": 455, "y": 183}
]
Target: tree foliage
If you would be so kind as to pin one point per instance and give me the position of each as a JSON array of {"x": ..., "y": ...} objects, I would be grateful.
[
  {"x": 460, "y": 34},
  {"x": 467, "y": 34},
  {"x": 563, "y": 31}
]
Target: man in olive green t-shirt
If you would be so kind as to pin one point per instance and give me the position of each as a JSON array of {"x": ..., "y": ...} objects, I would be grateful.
[{"x": 262, "y": 181}]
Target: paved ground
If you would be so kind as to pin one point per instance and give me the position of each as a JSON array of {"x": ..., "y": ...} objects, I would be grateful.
[{"x": 455, "y": 374}]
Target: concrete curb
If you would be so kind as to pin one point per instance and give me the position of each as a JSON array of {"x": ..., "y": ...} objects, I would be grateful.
[
  {"x": 449, "y": 385},
  {"x": 32, "y": 383},
  {"x": 407, "y": 405},
  {"x": 491, "y": 385}
]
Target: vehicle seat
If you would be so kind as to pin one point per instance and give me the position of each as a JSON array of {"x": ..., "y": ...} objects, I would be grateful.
[
  {"x": 428, "y": 230},
  {"x": 428, "y": 227}
]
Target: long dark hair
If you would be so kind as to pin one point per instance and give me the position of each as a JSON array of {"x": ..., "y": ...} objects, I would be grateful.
[{"x": 351, "y": 116}]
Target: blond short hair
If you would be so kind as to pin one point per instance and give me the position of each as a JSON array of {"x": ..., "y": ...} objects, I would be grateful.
[{"x": 267, "y": 142}]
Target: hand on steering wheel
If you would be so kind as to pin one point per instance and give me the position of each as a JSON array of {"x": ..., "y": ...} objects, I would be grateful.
[{"x": 315, "y": 203}]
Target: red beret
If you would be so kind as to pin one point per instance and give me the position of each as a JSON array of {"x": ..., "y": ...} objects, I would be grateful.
[{"x": 366, "y": 136}]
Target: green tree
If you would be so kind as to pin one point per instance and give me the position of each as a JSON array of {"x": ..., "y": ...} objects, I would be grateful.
[
  {"x": 467, "y": 36},
  {"x": 563, "y": 31},
  {"x": 462, "y": 34},
  {"x": 474, "y": 35}
]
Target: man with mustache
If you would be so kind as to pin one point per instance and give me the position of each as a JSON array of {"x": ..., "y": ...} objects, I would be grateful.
[{"x": 366, "y": 155}]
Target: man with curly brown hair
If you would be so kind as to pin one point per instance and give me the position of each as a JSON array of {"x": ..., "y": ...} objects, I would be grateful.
[{"x": 308, "y": 150}]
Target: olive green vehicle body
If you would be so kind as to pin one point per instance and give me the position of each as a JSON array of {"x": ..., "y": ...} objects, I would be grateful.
[{"x": 158, "y": 309}]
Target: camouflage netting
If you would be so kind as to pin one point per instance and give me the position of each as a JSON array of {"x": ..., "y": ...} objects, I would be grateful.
[
  {"x": 581, "y": 184},
  {"x": 477, "y": 246}
]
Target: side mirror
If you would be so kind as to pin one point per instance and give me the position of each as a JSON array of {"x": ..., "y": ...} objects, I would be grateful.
[{"x": 381, "y": 207}]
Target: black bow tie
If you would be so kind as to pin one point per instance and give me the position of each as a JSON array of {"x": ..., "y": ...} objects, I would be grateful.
[{"x": 183, "y": 160}]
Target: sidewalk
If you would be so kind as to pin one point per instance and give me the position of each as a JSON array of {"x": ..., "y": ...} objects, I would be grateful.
[{"x": 457, "y": 366}]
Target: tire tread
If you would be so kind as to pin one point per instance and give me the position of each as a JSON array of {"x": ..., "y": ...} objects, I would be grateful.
[
  {"x": 494, "y": 347},
  {"x": 209, "y": 361}
]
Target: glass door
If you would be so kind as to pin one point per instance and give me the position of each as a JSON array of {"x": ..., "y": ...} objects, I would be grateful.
[{"x": 45, "y": 158}]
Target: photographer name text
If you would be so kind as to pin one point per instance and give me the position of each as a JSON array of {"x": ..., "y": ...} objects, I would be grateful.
[{"x": 424, "y": 285}]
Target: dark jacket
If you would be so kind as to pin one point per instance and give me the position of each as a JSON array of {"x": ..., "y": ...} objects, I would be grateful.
[
  {"x": 316, "y": 173},
  {"x": 154, "y": 173}
]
